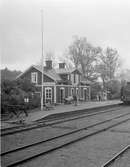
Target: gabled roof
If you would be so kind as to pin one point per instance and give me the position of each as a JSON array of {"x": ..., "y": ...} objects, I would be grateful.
[
  {"x": 66, "y": 70},
  {"x": 74, "y": 69},
  {"x": 62, "y": 71},
  {"x": 54, "y": 74},
  {"x": 50, "y": 73}
]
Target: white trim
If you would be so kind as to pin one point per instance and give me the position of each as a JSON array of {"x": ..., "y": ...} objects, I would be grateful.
[
  {"x": 65, "y": 85},
  {"x": 74, "y": 86},
  {"x": 47, "y": 84},
  {"x": 54, "y": 94},
  {"x": 54, "y": 84},
  {"x": 75, "y": 70}
]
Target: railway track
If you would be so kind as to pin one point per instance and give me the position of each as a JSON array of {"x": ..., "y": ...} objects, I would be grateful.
[
  {"x": 116, "y": 157},
  {"x": 54, "y": 119},
  {"x": 34, "y": 150}
]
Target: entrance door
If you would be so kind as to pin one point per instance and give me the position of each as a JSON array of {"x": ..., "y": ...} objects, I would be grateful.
[
  {"x": 85, "y": 94},
  {"x": 62, "y": 95},
  {"x": 48, "y": 95}
]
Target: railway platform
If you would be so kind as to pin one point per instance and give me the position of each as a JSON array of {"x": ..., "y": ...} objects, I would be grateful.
[{"x": 62, "y": 108}]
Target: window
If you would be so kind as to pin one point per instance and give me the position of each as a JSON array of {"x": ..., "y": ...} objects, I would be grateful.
[
  {"x": 77, "y": 91},
  {"x": 34, "y": 77},
  {"x": 62, "y": 94},
  {"x": 48, "y": 94},
  {"x": 77, "y": 78},
  {"x": 74, "y": 78},
  {"x": 72, "y": 91},
  {"x": 68, "y": 77}
]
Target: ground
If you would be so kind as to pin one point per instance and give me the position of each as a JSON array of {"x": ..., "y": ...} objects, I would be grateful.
[{"x": 91, "y": 152}]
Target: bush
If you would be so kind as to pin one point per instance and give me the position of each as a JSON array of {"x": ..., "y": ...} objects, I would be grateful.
[
  {"x": 95, "y": 88},
  {"x": 14, "y": 92},
  {"x": 114, "y": 86},
  {"x": 34, "y": 101}
]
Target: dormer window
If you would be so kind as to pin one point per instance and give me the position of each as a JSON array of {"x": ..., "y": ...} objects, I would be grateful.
[
  {"x": 61, "y": 65},
  {"x": 34, "y": 76}
]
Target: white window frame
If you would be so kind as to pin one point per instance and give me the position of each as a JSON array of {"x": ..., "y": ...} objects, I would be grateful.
[
  {"x": 34, "y": 77},
  {"x": 48, "y": 92}
]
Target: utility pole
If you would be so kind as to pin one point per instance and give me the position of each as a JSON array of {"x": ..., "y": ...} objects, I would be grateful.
[{"x": 42, "y": 88}]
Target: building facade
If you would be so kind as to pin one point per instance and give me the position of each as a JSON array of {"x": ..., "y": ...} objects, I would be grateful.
[{"x": 58, "y": 84}]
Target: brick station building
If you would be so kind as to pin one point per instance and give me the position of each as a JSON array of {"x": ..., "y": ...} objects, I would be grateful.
[{"x": 58, "y": 83}]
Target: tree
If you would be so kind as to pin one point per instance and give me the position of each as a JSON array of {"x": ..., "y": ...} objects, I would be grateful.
[
  {"x": 108, "y": 64},
  {"x": 110, "y": 60},
  {"x": 7, "y": 74},
  {"x": 25, "y": 85},
  {"x": 124, "y": 75},
  {"x": 84, "y": 55},
  {"x": 95, "y": 88},
  {"x": 114, "y": 87},
  {"x": 14, "y": 92}
]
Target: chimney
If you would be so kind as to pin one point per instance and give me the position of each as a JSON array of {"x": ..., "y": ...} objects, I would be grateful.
[
  {"x": 48, "y": 65},
  {"x": 61, "y": 65}
]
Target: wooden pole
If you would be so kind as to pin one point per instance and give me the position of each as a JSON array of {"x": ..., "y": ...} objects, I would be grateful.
[{"x": 42, "y": 88}]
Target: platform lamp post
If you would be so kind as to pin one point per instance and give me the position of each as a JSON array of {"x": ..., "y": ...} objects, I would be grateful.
[{"x": 42, "y": 88}]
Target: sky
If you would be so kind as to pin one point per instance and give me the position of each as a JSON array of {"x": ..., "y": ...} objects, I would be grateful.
[{"x": 103, "y": 22}]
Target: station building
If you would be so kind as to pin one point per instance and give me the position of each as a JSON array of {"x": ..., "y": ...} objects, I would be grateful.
[{"x": 58, "y": 83}]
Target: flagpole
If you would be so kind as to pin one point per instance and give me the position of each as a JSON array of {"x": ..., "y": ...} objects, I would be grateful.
[{"x": 42, "y": 88}]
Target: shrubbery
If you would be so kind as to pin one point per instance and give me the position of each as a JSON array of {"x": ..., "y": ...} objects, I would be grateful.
[
  {"x": 112, "y": 88},
  {"x": 14, "y": 93},
  {"x": 95, "y": 88}
]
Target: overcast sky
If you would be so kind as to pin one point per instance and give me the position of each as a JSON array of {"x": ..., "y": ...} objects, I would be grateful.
[{"x": 102, "y": 22}]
